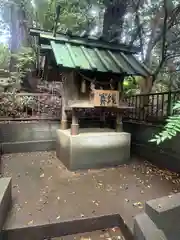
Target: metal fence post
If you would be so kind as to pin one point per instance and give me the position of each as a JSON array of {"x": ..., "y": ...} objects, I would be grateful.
[{"x": 169, "y": 106}]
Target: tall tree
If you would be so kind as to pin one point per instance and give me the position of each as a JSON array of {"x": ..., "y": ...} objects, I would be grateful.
[
  {"x": 157, "y": 29},
  {"x": 114, "y": 19}
]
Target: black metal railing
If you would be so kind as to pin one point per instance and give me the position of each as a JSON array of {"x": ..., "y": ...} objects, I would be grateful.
[{"x": 152, "y": 107}]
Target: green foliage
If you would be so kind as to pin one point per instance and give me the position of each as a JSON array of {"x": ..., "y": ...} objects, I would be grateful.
[
  {"x": 73, "y": 15},
  {"x": 24, "y": 60},
  {"x": 171, "y": 128},
  {"x": 130, "y": 85}
]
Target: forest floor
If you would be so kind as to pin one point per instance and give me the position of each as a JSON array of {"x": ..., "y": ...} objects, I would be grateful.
[{"x": 44, "y": 191}]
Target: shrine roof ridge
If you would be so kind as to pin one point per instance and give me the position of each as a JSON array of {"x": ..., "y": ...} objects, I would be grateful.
[{"x": 91, "y": 42}]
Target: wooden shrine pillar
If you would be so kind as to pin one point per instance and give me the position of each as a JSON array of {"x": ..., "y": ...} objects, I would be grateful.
[
  {"x": 119, "y": 123},
  {"x": 45, "y": 70},
  {"x": 70, "y": 94},
  {"x": 64, "y": 122},
  {"x": 102, "y": 118},
  {"x": 75, "y": 122}
]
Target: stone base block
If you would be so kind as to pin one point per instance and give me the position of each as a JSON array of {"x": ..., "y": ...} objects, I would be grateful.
[
  {"x": 31, "y": 146},
  {"x": 5, "y": 199},
  {"x": 165, "y": 212},
  {"x": 145, "y": 229},
  {"x": 93, "y": 148}
]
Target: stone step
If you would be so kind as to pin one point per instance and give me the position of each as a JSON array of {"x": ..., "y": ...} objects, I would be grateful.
[
  {"x": 165, "y": 212},
  {"x": 28, "y": 146},
  {"x": 110, "y": 234},
  {"x": 5, "y": 199},
  {"x": 145, "y": 229}
]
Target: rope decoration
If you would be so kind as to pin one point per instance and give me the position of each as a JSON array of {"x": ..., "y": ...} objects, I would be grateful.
[{"x": 93, "y": 80}]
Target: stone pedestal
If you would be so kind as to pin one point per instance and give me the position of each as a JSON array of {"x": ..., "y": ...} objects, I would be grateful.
[
  {"x": 93, "y": 148},
  {"x": 5, "y": 199},
  {"x": 160, "y": 220}
]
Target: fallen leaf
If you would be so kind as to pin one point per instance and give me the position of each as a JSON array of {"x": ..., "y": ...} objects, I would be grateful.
[
  {"x": 119, "y": 237},
  {"x": 39, "y": 209},
  {"x": 106, "y": 235},
  {"x": 31, "y": 222},
  {"x": 126, "y": 187},
  {"x": 102, "y": 236},
  {"x": 138, "y": 204},
  {"x": 135, "y": 204},
  {"x": 72, "y": 193},
  {"x": 115, "y": 229}
]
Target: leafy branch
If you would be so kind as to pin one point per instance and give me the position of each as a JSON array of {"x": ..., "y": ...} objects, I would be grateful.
[{"x": 171, "y": 129}]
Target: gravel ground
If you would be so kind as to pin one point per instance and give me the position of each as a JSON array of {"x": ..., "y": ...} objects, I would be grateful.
[{"x": 44, "y": 191}]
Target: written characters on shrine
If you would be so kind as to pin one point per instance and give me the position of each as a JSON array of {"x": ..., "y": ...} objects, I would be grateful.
[{"x": 106, "y": 98}]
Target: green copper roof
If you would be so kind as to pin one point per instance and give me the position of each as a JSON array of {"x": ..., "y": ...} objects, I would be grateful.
[
  {"x": 96, "y": 59},
  {"x": 89, "y": 54}
]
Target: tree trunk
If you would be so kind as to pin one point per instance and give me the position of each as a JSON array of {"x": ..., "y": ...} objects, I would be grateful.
[
  {"x": 114, "y": 18},
  {"x": 14, "y": 44},
  {"x": 145, "y": 87},
  {"x": 19, "y": 37},
  {"x": 19, "y": 33}
]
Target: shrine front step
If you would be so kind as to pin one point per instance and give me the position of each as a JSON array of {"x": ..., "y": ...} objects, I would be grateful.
[{"x": 93, "y": 148}]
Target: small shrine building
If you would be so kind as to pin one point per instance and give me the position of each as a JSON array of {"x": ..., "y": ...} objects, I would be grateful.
[{"x": 92, "y": 73}]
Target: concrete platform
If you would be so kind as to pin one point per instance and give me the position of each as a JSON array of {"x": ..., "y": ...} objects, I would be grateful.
[
  {"x": 49, "y": 200},
  {"x": 93, "y": 148},
  {"x": 5, "y": 199}
]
